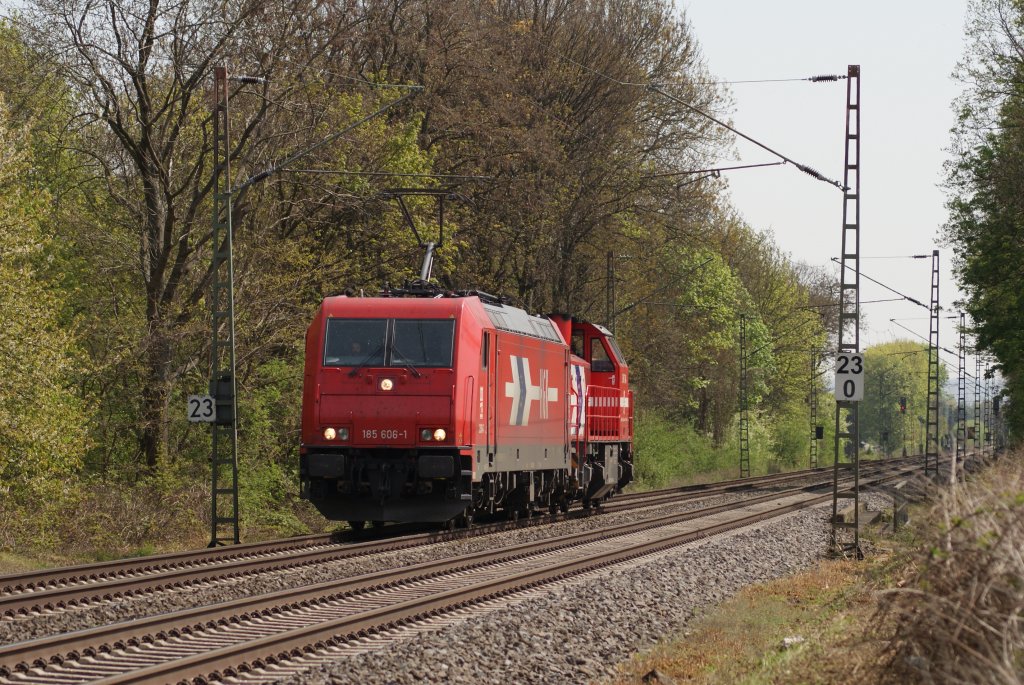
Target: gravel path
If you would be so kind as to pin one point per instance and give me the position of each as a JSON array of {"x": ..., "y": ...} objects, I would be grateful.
[
  {"x": 126, "y": 609},
  {"x": 579, "y": 632}
]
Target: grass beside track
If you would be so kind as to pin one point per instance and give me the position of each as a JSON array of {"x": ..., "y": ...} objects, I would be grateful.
[
  {"x": 824, "y": 612},
  {"x": 840, "y": 618},
  {"x": 14, "y": 563}
]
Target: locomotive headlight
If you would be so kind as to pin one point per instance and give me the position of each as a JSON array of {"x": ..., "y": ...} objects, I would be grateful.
[
  {"x": 428, "y": 434},
  {"x": 330, "y": 434},
  {"x": 386, "y": 384},
  {"x": 343, "y": 434}
]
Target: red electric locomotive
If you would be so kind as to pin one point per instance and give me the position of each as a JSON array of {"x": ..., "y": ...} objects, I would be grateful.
[{"x": 435, "y": 409}]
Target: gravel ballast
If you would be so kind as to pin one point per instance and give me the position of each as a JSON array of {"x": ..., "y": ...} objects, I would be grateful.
[
  {"x": 578, "y": 632},
  {"x": 165, "y": 601}
]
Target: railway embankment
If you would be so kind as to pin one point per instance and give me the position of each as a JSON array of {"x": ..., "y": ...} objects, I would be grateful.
[{"x": 938, "y": 601}]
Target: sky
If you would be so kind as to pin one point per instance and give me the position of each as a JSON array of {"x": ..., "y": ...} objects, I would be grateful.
[{"x": 907, "y": 51}]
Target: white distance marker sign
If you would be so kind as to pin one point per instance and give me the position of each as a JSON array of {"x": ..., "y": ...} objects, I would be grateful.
[
  {"x": 849, "y": 377},
  {"x": 202, "y": 408}
]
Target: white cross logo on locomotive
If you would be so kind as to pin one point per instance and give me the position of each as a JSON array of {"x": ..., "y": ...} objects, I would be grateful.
[{"x": 524, "y": 393}]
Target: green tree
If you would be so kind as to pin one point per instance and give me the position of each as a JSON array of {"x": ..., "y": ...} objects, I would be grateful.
[
  {"x": 43, "y": 433},
  {"x": 146, "y": 133},
  {"x": 985, "y": 180},
  {"x": 894, "y": 371}
]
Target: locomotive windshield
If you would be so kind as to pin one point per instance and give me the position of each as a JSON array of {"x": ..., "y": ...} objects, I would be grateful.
[
  {"x": 603, "y": 352},
  {"x": 355, "y": 342},
  {"x": 423, "y": 343},
  {"x": 389, "y": 342},
  {"x": 599, "y": 360}
]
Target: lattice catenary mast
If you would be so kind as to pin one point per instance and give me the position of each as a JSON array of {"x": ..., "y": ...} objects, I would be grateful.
[
  {"x": 931, "y": 449},
  {"x": 961, "y": 401},
  {"x": 744, "y": 409},
  {"x": 977, "y": 404},
  {"x": 986, "y": 416},
  {"x": 224, "y": 457},
  {"x": 845, "y": 536},
  {"x": 812, "y": 454}
]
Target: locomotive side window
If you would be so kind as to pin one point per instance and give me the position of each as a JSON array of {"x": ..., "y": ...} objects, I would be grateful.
[
  {"x": 423, "y": 343},
  {"x": 599, "y": 360},
  {"x": 577, "y": 343},
  {"x": 621, "y": 358},
  {"x": 354, "y": 342}
]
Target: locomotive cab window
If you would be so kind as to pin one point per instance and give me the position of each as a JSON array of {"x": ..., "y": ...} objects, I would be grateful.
[
  {"x": 389, "y": 342},
  {"x": 577, "y": 343},
  {"x": 599, "y": 359},
  {"x": 426, "y": 342},
  {"x": 353, "y": 342}
]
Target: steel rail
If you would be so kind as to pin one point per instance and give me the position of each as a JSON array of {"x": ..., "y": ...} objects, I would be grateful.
[
  {"x": 66, "y": 575},
  {"x": 81, "y": 573},
  {"x": 667, "y": 496},
  {"x": 56, "y": 648},
  {"x": 63, "y": 575},
  {"x": 176, "y": 576},
  {"x": 236, "y": 659}
]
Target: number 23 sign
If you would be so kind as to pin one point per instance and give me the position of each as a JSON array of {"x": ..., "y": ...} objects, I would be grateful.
[
  {"x": 202, "y": 408},
  {"x": 849, "y": 377}
]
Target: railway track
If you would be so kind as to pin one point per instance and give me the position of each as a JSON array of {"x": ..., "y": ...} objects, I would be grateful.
[
  {"x": 63, "y": 588},
  {"x": 59, "y": 589},
  {"x": 249, "y": 635}
]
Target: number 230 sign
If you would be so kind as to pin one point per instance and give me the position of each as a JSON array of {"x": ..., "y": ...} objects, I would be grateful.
[{"x": 849, "y": 377}]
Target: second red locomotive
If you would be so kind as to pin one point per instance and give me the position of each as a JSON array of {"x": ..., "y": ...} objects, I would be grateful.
[{"x": 440, "y": 408}]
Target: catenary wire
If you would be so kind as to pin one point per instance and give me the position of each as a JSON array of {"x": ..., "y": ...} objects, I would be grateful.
[
  {"x": 836, "y": 304},
  {"x": 890, "y": 289},
  {"x": 654, "y": 88},
  {"x": 340, "y": 172},
  {"x": 802, "y": 167},
  {"x": 713, "y": 172}
]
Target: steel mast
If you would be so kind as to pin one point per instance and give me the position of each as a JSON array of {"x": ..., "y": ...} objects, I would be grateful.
[{"x": 845, "y": 536}]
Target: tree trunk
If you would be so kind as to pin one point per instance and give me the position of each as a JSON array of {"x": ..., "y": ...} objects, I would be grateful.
[{"x": 156, "y": 341}]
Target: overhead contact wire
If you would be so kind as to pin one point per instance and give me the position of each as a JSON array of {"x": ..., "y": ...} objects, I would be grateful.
[
  {"x": 890, "y": 289},
  {"x": 837, "y": 304},
  {"x": 712, "y": 172},
  {"x": 270, "y": 171},
  {"x": 814, "y": 173},
  {"x": 823, "y": 78},
  {"x": 915, "y": 333},
  {"x": 655, "y": 89},
  {"x": 949, "y": 364}
]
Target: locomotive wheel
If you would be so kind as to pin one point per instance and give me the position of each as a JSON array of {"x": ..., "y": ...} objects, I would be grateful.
[
  {"x": 357, "y": 525},
  {"x": 564, "y": 506}
]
